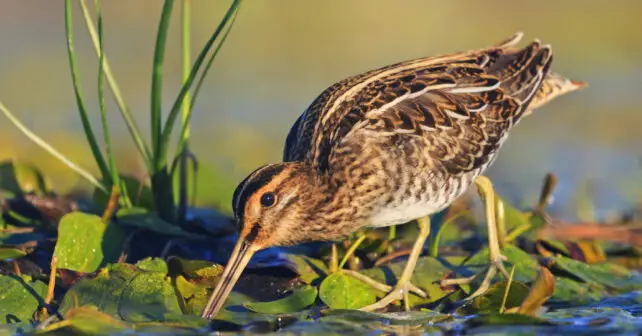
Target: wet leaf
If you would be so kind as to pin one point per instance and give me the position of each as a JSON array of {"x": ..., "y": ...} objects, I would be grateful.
[
  {"x": 85, "y": 243},
  {"x": 568, "y": 290},
  {"x": 7, "y": 253},
  {"x": 491, "y": 300},
  {"x": 525, "y": 265},
  {"x": 541, "y": 290},
  {"x": 152, "y": 265},
  {"x": 426, "y": 275},
  {"x": 148, "y": 297},
  {"x": 126, "y": 292},
  {"x": 606, "y": 274},
  {"x": 496, "y": 319},
  {"x": 142, "y": 218},
  {"x": 19, "y": 298},
  {"x": 340, "y": 291},
  {"x": 299, "y": 299},
  {"x": 309, "y": 269},
  {"x": 87, "y": 320},
  {"x": 201, "y": 270}
]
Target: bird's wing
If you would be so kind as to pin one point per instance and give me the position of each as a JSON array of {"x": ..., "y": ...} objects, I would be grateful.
[{"x": 463, "y": 103}]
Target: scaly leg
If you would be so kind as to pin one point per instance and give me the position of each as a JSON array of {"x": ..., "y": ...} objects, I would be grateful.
[
  {"x": 487, "y": 194},
  {"x": 403, "y": 286}
]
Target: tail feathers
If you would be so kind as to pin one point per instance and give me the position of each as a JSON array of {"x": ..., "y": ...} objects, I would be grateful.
[{"x": 554, "y": 85}]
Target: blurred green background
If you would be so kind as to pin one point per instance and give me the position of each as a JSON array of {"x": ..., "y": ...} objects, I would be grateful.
[{"x": 282, "y": 53}]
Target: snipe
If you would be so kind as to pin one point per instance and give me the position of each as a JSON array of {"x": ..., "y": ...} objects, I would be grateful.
[{"x": 389, "y": 146}]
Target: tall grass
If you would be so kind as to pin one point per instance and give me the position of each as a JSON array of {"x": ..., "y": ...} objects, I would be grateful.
[{"x": 155, "y": 155}]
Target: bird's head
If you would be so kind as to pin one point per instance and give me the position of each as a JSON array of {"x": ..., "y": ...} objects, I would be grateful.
[{"x": 269, "y": 206}]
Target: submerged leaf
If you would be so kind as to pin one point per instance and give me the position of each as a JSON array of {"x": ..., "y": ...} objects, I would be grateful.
[
  {"x": 299, "y": 299},
  {"x": 340, "y": 291},
  {"x": 19, "y": 298},
  {"x": 604, "y": 274},
  {"x": 7, "y": 253},
  {"x": 85, "y": 242}
]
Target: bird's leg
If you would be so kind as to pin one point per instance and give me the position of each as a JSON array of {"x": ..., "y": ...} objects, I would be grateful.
[
  {"x": 487, "y": 194},
  {"x": 403, "y": 286}
]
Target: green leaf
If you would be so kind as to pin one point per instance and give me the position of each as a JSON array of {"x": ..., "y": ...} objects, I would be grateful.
[
  {"x": 340, "y": 291},
  {"x": 11, "y": 253},
  {"x": 88, "y": 321},
  {"x": 148, "y": 297},
  {"x": 491, "y": 300},
  {"x": 141, "y": 218},
  {"x": 310, "y": 270},
  {"x": 526, "y": 266},
  {"x": 568, "y": 290},
  {"x": 299, "y": 299},
  {"x": 497, "y": 319},
  {"x": 152, "y": 265},
  {"x": 605, "y": 274},
  {"x": 85, "y": 243},
  {"x": 426, "y": 275},
  {"x": 19, "y": 298},
  {"x": 127, "y": 292},
  {"x": 20, "y": 178}
]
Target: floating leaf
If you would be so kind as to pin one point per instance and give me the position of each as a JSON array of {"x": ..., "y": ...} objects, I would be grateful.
[
  {"x": 340, "y": 291},
  {"x": 568, "y": 290},
  {"x": 126, "y": 292},
  {"x": 541, "y": 290},
  {"x": 85, "y": 242},
  {"x": 142, "y": 218},
  {"x": 309, "y": 269},
  {"x": 491, "y": 301},
  {"x": 152, "y": 265},
  {"x": 426, "y": 276},
  {"x": 148, "y": 297},
  {"x": 202, "y": 270},
  {"x": 496, "y": 319},
  {"x": 299, "y": 299},
  {"x": 19, "y": 298},
  {"x": 11, "y": 253},
  {"x": 87, "y": 320},
  {"x": 606, "y": 274},
  {"x": 525, "y": 265}
]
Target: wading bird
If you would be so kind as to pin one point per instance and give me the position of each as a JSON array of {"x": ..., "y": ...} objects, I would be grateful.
[{"x": 389, "y": 146}]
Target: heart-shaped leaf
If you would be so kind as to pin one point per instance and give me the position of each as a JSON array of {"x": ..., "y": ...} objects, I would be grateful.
[{"x": 340, "y": 291}]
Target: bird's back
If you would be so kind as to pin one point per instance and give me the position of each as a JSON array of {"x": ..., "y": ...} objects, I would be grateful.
[{"x": 472, "y": 98}]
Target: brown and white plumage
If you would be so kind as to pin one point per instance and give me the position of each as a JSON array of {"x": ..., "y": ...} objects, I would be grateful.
[{"x": 390, "y": 145}]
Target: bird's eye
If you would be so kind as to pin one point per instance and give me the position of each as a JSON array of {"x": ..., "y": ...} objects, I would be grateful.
[{"x": 268, "y": 199}]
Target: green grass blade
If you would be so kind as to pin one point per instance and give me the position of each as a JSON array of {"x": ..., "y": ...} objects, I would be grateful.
[
  {"x": 89, "y": 133},
  {"x": 175, "y": 110},
  {"x": 157, "y": 78},
  {"x": 134, "y": 131},
  {"x": 197, "y": 88},
  {"x": 186, "y": 65},
  {"x": 43, "y": 144},
  {"x": 115, "y": 177}
]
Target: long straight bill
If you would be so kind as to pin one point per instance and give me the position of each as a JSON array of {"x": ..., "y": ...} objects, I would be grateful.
[{"x": 241, "y": 255}]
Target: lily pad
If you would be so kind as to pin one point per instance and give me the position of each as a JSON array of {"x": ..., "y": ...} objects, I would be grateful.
[
  {"x": 19, "y": 298},
  {"x": 85, "y": 242},
  {"x": 310, "y": 270},
  {"x": 11, "y": 253},
  {"x": 299, "y": 299},
  {"x": 87, "y": 320},
  {"x": 525, "y": 265},
  {"x": 491, "y": 301},
  {"x": 126, "y": 292},
  {"x": 142, "y": 218},
  {"x": 427, "y": 274},
  {"x": 606, "y": 274},
  {"x": 571, "y": 291},
  {"x": 340, "y": 291}
]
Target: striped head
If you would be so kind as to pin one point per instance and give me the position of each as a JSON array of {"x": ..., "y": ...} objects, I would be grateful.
[{"x": 267, "y": 204}]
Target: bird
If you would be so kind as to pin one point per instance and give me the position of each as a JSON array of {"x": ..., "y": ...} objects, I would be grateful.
[{"x": 390, "y": 146}]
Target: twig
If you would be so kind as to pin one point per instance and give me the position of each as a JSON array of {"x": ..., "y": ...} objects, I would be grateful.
[
  {"x": 550, "y": 182},
  {"x": 391, "y": 256},
  {"x": 16, "y": 267},
  {"x": 52, "y": 284}
]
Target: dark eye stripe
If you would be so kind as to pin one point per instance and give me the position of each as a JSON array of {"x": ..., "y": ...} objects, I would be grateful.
[{"x": 251, "y": 184}]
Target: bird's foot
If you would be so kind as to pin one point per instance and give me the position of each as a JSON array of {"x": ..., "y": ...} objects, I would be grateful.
[
  {"x": 399, "y": 292},
  {"x": 496, "y": 265}
]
